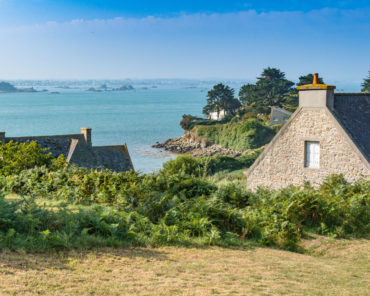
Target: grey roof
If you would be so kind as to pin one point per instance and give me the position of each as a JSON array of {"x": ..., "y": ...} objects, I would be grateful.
[
  {"x": 59, "y": 144},
  {"x": 279, "y": 115},
  {"x": 106, "y": 157},
  {"x": 352, "y": 110},
  {"x": 77, "y": 151}
]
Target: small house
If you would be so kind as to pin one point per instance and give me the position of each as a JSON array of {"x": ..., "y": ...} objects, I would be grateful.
[
  {"x": 329, "y": 133},
  {"x": 217, "y": 115},
  {"x": 78, "y": 149}
]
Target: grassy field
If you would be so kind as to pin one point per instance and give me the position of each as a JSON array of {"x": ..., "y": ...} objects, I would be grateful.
[{"x": 327, "y": 267}]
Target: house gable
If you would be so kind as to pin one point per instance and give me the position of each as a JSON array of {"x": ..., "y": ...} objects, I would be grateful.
[
  {"x": 283, "y": 161},
  {"x": 328, "y": 134}
]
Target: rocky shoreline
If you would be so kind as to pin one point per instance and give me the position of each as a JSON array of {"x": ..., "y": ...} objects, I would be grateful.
[{"x": 195, "y": 147}]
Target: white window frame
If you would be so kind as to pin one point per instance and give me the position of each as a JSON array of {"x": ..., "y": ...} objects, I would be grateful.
[{"x": 312, "y": 154}]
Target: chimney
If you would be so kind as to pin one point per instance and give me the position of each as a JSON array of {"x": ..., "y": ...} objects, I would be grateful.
[
  {"x": 2, "y": 136},
  {"x": 316, "y": 95},
  {"x": 315, "y": 78},
  {"x": 86, "y": 131}
]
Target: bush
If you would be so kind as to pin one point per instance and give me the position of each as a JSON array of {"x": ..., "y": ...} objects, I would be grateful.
[
  {"x": 102, "y": 208},
  {"x": 16, "y": 157},
  {"x": 208, "y": 165},
  {"x": 243, "y": 135},
  {"x": 188, "y": 121},
  {"x": 184, "y": 163},
  {"x": 219, "y": 163},
  {"x": 66, "y": 206}
]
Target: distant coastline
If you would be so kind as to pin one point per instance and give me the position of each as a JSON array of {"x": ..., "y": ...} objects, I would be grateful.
[{"x": 6, "y": 87}]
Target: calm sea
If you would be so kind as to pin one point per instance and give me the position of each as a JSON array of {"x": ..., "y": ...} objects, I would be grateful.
[{"x": 139, "y": 118}]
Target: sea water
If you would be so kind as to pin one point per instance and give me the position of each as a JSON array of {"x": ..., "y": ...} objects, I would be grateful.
[{"x": 139, "y": 118}]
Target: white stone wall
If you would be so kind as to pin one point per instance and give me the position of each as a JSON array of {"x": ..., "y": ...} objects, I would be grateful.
[
  {"x": 283, "y": 163},
  {"x": 217, "y": 116}
]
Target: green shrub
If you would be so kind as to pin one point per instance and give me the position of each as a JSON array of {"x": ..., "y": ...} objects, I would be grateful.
[
  {"x": 102, "y": 208},
  {"x": 188, "y": 121},
  {"x": 220, "y": 163},
  {"x": 243, "y": 135},
  {"x": 174, "y": 206},
  {"x": 183, "y": 163},
  {"x": 65, "y": 206},
  {"x": 16, "y": 157},
  {"x": 208, "y": 165}
]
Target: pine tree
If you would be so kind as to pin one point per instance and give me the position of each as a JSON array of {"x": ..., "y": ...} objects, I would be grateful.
[
  {"x": 220, "y": 98},
  {"x": 270, "y": 90},
  {"x": 366, "y": 84},
  {"x": 307, "y": 79}
]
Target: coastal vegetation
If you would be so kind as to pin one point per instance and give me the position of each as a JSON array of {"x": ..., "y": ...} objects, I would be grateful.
[
  {"x": 208, "y": 166},
  {"x": 188, "y": 121},
  {"x": 16, "y": 157},
  {"x": 271, "y": 89},
  {"x": 246, "y": 125},
  {"x": 55, "y": 206},
  {"x": 221, "y": 98},
  {"x": 241, "y": 134}
]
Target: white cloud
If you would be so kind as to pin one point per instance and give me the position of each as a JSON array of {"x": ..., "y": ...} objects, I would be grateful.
[
  {"x": 201, "y": 21},
  {"x": 189, "y": 45}
]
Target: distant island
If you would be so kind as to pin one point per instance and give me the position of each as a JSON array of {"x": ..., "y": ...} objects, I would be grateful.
[
  {"x": 6, "y": 87},
  {"x": 105, "y": 88},
  {"x": 93, "y": 89},
  {"x": 124, "y": 87}
]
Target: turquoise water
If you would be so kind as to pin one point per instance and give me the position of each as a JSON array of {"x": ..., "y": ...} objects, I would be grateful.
[{"x": 140, "y": 118}]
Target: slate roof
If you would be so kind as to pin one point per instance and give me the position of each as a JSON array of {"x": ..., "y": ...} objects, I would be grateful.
[
  {"x": 59, "y": 144},
  {"x": 77, "y": 151},
  {"x": 352, "y": 110},
  {"x": 279, "y": 115}
]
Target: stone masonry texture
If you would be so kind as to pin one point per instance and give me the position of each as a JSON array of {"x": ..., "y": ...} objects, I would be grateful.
[{"x": 283, "y": 163}]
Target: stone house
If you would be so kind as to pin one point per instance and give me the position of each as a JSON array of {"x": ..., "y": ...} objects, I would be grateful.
[
  {"x": 78, "y": 149},
  {"x": 329, "y": 133}
]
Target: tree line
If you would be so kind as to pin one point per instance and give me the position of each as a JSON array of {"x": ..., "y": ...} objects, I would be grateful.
[{"x": 271, "y": 89}]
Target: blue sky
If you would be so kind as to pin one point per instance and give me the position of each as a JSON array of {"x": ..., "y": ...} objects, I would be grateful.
[{"x": 46, "y": 39}]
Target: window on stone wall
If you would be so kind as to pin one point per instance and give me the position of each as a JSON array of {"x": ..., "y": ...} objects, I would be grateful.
[{"x": 312, "y": 154}]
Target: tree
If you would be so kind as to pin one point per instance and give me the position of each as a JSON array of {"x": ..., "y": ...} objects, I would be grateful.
[
  {"x": 308, "y": 79},
  {"x": 366, "y": 84},
  {"x": 270, "y": 90},
  {"x": 246, "y": 93},
  {"x": 16, "y": 157},
  {"x": 220, "y": 98}
]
